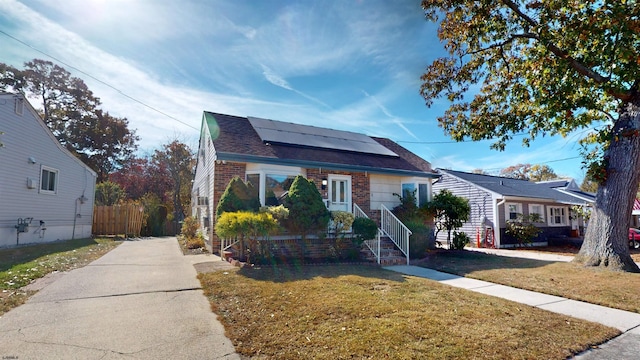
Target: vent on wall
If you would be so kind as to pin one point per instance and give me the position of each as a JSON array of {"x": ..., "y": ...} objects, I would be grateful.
[{"x": 18, "y": 105}]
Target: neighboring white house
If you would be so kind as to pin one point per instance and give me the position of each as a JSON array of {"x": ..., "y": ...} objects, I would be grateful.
[
  {"x": 46, "y": 193},
  {"x": 496, "y": 200}
]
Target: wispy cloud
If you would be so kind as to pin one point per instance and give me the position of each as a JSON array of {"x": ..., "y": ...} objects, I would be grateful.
[{"x": 386, "y": 112}]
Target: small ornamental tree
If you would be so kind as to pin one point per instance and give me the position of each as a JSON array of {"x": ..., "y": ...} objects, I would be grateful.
[
  {"x": 449, "y": 212},
  {"x": 307, "y": 212},
  {"x": 109, "y": 193},
  {"x": 238, "y": 196}
]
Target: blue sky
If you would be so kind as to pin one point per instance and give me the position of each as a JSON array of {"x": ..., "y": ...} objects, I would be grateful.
[{"x": 346, "y": 64}]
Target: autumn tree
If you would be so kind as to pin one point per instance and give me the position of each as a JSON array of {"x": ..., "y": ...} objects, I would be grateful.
[
  {"x": 140, "y": 176},
  {"x": 178, "y": 160},
  {"x": 520, "y": 171},
  {"x": 549, "y": 68},
  {"x": 539, "y": 172},
  {"x": 73, "y": 114}
]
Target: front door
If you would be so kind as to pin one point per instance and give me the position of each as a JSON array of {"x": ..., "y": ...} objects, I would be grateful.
[{"x": 339, "y": 193}]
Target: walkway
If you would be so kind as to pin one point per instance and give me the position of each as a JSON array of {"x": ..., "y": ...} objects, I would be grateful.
[
  {"x": 140, "y": 301},
  {"x": 625, "y": 346}
]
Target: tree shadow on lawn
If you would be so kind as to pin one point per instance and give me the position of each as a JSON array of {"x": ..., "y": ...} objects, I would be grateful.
[
  {"x": 295, "y": 272},
  {"x": 464, "y": 262},
  {"x": 23, "y": 254}
]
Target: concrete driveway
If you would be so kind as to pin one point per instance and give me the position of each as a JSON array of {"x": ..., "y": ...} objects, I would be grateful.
[{"x": 139, "y": 301}]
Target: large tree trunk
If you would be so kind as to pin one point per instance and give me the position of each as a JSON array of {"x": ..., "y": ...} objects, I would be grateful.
[{"x": 606, "y": 240}]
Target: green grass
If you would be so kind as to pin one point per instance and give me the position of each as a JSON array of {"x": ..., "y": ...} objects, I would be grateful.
[
  {"x": 618, "y": 290},
  {"x": 23, "y": 265},
  {"x": 338, "y": 312}
]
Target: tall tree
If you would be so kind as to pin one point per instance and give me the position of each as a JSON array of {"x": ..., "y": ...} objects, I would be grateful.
[
  {"x": 139, "y": 176},
  {"x": 539, "y": 172},
  {"x": 549, "y": 68},
  {"x": 519, "y": 171},
  {"x": 73, "y": 114},
  {"x": 178, "y": 160}
]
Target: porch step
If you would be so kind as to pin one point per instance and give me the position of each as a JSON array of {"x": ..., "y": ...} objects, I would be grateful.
[{"x": 389, "y": 253}]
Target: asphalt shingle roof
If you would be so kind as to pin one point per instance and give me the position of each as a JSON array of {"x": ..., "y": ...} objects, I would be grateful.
[
  {"x": 235, "y": 138},
  {"x": 522, "y": 188}
]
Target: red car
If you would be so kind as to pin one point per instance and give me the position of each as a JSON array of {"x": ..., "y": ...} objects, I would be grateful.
[{"x": 634, "y": 238}]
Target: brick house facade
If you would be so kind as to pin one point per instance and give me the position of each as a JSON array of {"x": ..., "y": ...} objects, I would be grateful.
[{"x": 369, "y": 170}]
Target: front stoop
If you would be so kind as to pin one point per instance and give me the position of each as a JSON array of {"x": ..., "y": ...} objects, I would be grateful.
[{"x": 389, "y": 254}]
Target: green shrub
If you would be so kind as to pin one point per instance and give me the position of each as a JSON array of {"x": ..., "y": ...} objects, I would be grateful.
[
  {"x": 460, "y": 240},
  {"x": 363, "y": 229},
  {"x": 342, "y": 221},
  {"x": 248, "y": 228},
  {"x": 238, "y": 196},
  {"x": 421, "y": 239},
  {"x": 523, "y": 229},
  {"x": 307, "y": 212},
  {"x": 279, "y": 212}
]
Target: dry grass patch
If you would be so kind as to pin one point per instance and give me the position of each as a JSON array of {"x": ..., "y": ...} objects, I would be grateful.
[
  {"x": 569, "y": 250},
  {"x": 337, "y": 312},
  {"x": 594, "y": 285},
  {"x": 23, "y": 265}
]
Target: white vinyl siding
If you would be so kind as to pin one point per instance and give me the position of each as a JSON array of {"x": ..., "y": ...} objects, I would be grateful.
[
  {"x": 21, "y": 193},
  {"x": 48, "y": 180},
  {"x": 480, "y": 201}
]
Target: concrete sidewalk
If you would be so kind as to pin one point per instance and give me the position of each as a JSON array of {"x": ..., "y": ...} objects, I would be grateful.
[
  {"x": 626, "y": 346},
  {"x": 140, "y": 301}
]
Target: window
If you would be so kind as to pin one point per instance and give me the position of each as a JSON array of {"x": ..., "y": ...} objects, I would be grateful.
[
  {"x": 48, "y": 180},
  {"x": 422, "y": 194},
  {"x": 536, "y": 210},
  {"x": 203, "y": 201},
  {"x": 275, "y": 187},
  {"x": 557, "y": 216},
  {"x": 270, "y": 187},
  {"x": 513, "y": 210}
]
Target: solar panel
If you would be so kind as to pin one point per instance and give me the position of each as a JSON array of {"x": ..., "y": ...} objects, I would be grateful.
[{"x": 271, "y": 131}]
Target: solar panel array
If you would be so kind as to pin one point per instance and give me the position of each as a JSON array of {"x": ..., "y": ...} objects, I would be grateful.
[{"x": 271, "y": 131}]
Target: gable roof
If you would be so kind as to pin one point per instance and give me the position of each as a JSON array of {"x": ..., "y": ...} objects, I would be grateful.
[
  {"x": 236, "y": 139},
  {"x": 34, "y": 114},
  {"x": 507, "y": 187}
]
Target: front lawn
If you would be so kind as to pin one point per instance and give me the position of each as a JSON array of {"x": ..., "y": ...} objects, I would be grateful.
[
  {"x": 359, "y": 311},
  {"x": 612, "y": 289},
  {"x": 22, "y": 265}
]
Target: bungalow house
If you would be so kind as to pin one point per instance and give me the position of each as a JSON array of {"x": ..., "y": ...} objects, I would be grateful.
[
  {"x": 46, "y": 193},
  {"x": 352, "y": 171},
  {"x": 495, "y": 200}
]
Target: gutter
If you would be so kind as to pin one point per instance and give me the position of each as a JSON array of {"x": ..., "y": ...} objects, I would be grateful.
[{"x": 318, "y": 164}]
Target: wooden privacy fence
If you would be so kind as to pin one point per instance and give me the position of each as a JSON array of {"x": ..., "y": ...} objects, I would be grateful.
[{"x": 118, "y": 220}]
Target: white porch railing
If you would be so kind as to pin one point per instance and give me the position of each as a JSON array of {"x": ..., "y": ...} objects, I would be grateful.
[
  {"x": 225, "y": 244},
  {"x": 372, "y": 244},
  {"x": 395, "y": 230}
]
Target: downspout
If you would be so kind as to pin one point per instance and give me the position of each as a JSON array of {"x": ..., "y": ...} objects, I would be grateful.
[{"x": 496, "y": 223}]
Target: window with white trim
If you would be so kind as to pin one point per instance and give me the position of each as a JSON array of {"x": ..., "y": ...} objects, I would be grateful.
[
  {"x": 536, "y": 209},
  {"x": 512, "y": 211},
  {"x": 422, "y": 192},
  {"x": 48, "y": 180},
  {"x": 270, "y": 186},
  {"x": 557, "y": 216}
]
